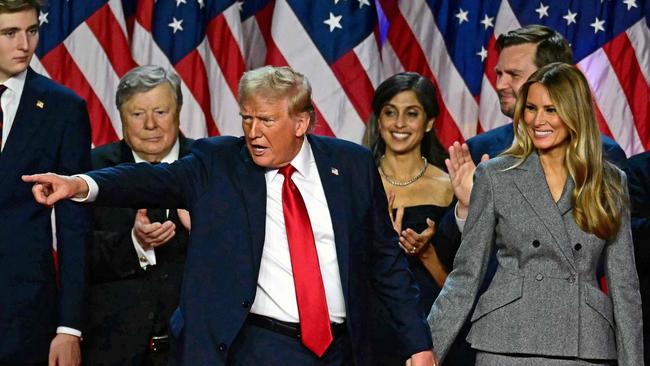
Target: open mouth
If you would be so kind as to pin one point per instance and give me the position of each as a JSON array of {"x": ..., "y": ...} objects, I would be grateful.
[
  {"x": 258, "y": 149},
  {"x": 400, "y": 135},
  {"x": 540, "y": 133}
]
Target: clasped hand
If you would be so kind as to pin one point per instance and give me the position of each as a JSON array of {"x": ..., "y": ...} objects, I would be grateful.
[{"x": 413, "y": 243}]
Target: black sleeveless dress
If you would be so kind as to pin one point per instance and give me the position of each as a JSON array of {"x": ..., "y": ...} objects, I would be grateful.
[{"x": 386, "y": 345}]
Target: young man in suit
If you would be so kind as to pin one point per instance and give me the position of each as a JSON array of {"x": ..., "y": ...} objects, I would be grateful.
[
  {"x": 44, "y": 127},
  {"x": 638, "y": 181},
  {"x": 273, "y": 278},
  {"x": 136, "y": 257}
]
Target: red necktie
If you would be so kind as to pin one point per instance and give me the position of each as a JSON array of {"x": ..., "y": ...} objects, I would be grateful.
[
  {"x": 2, "y": 90},
  {"x": 315, "y": 330}
]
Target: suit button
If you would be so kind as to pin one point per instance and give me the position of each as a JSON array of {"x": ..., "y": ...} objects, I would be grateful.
[
  {"x": 571, "y": 278},
  {"x": 151, "y": 315},
  {"x": 539, "y": 277},
  {"x": 577, "y": 247},
  {"x": 246, "y": 304},
  {"x": 536, "y": 243},
  {"x": 223, "y": 347}
]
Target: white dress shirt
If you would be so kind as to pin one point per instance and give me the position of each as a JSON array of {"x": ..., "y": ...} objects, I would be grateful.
[
  {"x": 10, "y": 100},
  {"x": 276, "y": 295},
  {"x": 148, "y": 257}
]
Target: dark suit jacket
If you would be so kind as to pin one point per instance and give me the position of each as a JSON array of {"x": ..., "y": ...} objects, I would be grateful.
[
  {"x": 497, "y": 140},
  {"x": 638, "y": 175},
  {"x": 127, "y": 304},
  {"x": 50, "y": 133},
  {"x": 226, "y": 194}
]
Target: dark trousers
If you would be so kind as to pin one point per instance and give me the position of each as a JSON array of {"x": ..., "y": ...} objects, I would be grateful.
[{"x": 259, "y": 346}]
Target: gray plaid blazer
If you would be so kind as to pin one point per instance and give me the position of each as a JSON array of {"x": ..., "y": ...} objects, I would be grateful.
[{"x": 544, "y": 298}]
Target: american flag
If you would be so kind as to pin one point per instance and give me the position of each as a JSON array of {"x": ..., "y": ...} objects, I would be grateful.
[{"x": 345, "y": 48}]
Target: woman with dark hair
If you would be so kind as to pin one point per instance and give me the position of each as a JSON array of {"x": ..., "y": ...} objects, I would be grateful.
[
  {"x": 553, "y": 210},
  {"x": 410, "y": 159}
]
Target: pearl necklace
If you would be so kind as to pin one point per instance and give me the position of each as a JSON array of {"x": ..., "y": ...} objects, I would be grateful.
[{"x": 403, "y": 184}]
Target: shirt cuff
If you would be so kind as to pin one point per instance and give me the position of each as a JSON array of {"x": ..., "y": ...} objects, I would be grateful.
[
  {"x": 459, "y": 222},
  {"x": 93, "y": 189},
  {"x": 67, "y": 330},
  {"x": 145, "y": 257}
]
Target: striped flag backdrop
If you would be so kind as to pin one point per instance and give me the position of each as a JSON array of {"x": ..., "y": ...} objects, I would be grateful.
[{"x": 345, "y": 47}]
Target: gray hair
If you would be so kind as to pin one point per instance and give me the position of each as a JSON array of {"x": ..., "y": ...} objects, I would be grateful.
[
  {"x": 279, "y": 82},
  {"x": 144, "y": 78}
]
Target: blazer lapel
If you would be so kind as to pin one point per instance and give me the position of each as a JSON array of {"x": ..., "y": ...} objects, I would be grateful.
[
  {"x": 29, "y": 120},
  {"x": 531, "y": 182},
  {"x": 253, "y": 191},
  {"x": 565, "y": 204},
  {"x": 332, "y": 178}
]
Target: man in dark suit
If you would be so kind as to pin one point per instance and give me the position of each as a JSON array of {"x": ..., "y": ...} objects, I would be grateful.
[
  {"x": 136, "y": 257},
  {"x": 273, "y": 278},
  {"x": 43, "y": 127},
  {"x": 638, "y": 180}
]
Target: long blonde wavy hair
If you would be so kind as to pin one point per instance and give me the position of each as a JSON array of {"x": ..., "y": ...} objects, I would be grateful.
[{"x": 598, "y": 195}]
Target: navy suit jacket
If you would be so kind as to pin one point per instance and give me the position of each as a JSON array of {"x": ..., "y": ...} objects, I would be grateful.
[
  {"x": 497, "y": 140},
  {"x": 226, "y": 195},
  {"x": 638, "y": 180},
  {"x": 50, "y": 133}
]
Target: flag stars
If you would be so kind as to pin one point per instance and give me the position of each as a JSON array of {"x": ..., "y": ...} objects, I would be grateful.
[
  {"x": 483, "y": 53},
  {"x": 240, "y": 6},
  {"x": 487, "y": 22},
  {"x": 598, "y": 25},
  {"x": 176, "y": 25},
  {"x": 334, "y": 22},
  {"x": 201, "y": 4},
  {"x": 630, "y": 4},
  {"x": 570, "y": 17},
  {"x": 542, "y": 10},
  {"x": 462, "y": 16},
  {"x": 179, "y": 2},
  {"x": 42, "y": 18},
  {"x": 363, "y": 2}
]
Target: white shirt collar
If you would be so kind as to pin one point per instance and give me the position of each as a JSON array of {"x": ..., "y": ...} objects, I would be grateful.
[
  {"x": 171, "y": 157},
  {"x": 16, "y": 83},
  {"x": 301, "y": 162}
]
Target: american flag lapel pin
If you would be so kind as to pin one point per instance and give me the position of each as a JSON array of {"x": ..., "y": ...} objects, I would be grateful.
[
  {"x": 40, "y": 104},
  {"x": 335, "y": 171}
]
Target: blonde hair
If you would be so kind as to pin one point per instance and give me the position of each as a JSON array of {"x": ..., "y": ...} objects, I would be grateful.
[
  {"x": 598, "y": 191},
  {"x": 279, "y": 82}
]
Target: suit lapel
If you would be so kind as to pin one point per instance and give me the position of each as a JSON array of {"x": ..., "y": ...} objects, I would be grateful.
[
  {"x": 332, "y": 176},
  {"x": 184, "y": 145},
  {"x": 531, "y": 182},
  {"x": 29, "y": 120},
  {"x": 253, "y": 190},
  {"x": 126, "y": 155}
]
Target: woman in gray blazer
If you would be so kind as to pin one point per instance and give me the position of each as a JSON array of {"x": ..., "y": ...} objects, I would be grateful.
[{"x": 553, "y": 210}]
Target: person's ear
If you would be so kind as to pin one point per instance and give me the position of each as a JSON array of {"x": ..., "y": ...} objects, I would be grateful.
[
  {"x": 302, "y": 121},
  {"x": 430, "y": 124}
]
